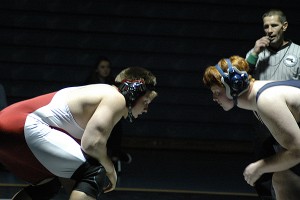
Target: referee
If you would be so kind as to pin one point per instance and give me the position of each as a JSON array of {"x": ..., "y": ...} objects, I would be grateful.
[{"x": 272, "y": 58}]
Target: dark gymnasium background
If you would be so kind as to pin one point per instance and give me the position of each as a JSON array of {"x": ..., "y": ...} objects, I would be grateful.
[{"x": 48, "y": 45}]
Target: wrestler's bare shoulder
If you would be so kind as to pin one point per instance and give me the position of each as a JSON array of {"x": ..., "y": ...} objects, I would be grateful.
[
  {"x": 85, "y": 99},
  {"x": 285, "y": 95},
  {"x": 93, "y": 93}
]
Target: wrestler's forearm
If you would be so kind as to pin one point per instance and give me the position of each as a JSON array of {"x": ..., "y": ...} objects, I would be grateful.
[
  {"x": 280, "y": 161},
  {"x": 104, "y": 159},
  {"x": 98, "y": 151}
]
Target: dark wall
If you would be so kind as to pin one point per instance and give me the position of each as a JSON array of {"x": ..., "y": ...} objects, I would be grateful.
[{"x": 48, "y": 45}]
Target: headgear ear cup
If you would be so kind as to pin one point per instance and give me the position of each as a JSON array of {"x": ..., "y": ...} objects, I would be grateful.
[
  {"x": 132, "y": 90},
  {"x": 225, "y": 81},
  {"x": 236, "y": 82},
  {"x": 237, "y": 79}
]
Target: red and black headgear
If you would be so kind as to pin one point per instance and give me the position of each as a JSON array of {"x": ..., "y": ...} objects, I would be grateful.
[{"x": 132, "y": 90}]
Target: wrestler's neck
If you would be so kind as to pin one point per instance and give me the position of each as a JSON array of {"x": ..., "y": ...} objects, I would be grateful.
[
  {"x": 126, "y": 110},
  {"x": 247, "y": 100}
]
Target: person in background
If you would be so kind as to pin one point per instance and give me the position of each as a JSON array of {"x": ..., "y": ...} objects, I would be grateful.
[
  {"x": 101, "y": 73},
  {"x": 273, "y": 57}
]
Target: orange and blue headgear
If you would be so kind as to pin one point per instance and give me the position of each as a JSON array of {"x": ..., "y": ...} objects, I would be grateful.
[{"x": 236, "y": 82}]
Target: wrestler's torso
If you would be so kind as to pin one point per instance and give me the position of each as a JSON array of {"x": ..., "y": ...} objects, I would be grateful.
[{"x": 81, "y": 103}]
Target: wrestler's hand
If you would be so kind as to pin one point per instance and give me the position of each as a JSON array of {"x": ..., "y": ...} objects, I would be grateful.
[
  {"x": 261, "y": 44},
  {"x": 252, "y": 173},
  {"x": 112, "y": 181}
]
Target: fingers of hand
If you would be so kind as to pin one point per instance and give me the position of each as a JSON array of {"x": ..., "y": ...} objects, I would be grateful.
[
  {"x": 110, "y": 187},
  {"x": 249, "y": 180},
  {"x": 110, "y": 184},
  {"x": 264, "y": 42}
]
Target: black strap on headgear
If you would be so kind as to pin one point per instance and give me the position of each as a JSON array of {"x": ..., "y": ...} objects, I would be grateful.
[{"x": 132, "y": 90}]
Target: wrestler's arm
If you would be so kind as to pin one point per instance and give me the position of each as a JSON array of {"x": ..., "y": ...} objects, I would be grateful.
[
  {"x": 98, "y": 130},
  {"x": 283, "y": 126}
]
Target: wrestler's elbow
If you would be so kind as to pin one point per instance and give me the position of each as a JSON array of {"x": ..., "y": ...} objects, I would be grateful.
[
  {"x": 93, "y": 146},
  {"x": 295, "y": 152}
]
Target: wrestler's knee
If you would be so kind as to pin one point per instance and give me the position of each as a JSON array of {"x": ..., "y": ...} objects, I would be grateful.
[
  {"x": 286, "y": 185},
  {"x": 90, "y": 179},
  {"x": 277, "y": 180},
  {"x": 77, "y": 195},
  {"x": 285, "y": 180},
  {"x": 43, "y": 191}
]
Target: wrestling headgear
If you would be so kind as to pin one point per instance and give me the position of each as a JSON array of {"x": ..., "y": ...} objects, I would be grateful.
[
  {"x": 236, "y": 82},
  {"x": 132, "y": 90}
]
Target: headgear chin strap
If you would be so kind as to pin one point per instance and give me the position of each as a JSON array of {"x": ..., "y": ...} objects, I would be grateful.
[
  {"x": 132, "y": 90},
  {"x": 236, "y": 82}
]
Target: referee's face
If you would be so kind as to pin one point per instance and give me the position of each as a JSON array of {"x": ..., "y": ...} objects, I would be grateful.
[{"x": 274, "y": 29}]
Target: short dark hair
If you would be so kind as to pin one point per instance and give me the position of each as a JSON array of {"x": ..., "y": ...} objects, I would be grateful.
[
  {"x": 136, "y": 73},
  {"x": 277, "y": 12}
]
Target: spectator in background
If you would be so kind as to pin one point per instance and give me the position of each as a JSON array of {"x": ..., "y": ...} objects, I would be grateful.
[
  {"x": 101, "y": 73},
  {"x": 272, "y": 58}
]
